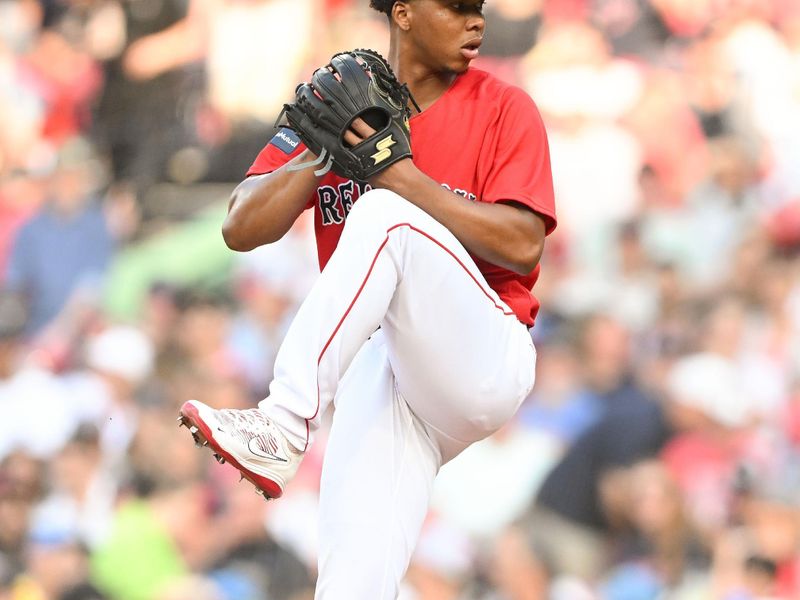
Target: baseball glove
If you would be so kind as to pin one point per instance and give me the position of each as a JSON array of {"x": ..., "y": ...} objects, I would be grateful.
[{"x": 359, "y": 83}]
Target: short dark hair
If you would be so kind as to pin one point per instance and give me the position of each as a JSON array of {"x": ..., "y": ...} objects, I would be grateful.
[{"x": 384, "y": 6}]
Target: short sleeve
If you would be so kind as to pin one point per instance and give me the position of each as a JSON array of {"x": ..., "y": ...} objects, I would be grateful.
[
  {"x": 282, "y": 148},
  {"x": 519, "y": 168}
]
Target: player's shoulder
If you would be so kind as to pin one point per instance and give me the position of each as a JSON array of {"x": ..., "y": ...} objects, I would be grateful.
[{"x": 488, "y": 87}]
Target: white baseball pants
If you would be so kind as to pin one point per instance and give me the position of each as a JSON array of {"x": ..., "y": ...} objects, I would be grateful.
[{"x": 449, "y": 366}]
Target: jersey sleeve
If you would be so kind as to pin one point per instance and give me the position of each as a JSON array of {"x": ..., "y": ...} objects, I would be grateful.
[
  {"x": 519, "y": 166},
  {"x": 282, "y": 148}
]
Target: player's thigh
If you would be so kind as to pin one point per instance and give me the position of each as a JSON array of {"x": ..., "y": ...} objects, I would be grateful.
[
  {"x": 462, "y": 359},
  {"x": 463, "y": 364}
]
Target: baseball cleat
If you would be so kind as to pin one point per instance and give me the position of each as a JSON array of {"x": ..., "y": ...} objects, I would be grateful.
[{"x": 247, "y": 439}]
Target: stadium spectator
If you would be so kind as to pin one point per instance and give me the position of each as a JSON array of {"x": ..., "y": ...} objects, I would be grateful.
[{"x": 70, "y": 226}]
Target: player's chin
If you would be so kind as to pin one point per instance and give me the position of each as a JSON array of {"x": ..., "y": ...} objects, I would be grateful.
[{"x": 459, "y": 65}]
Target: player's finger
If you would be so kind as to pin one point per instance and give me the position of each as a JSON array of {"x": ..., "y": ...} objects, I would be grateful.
[
  {"x": 351, "y": 139},
  {"x": 361, "y": 128}
]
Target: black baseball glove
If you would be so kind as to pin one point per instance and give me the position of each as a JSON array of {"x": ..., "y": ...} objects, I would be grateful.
[{"x": 359, "y": 83}]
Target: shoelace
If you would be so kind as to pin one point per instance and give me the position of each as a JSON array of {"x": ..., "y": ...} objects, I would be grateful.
[{"x": 246, "y": 419}]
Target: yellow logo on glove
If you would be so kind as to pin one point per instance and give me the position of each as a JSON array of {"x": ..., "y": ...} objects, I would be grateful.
[{"x": 383, "y": 149}]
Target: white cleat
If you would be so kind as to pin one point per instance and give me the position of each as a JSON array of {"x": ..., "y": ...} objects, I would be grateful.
[{"x": 247, "y": 439}]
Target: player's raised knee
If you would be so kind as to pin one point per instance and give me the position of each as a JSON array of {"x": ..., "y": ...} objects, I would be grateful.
[
  {"x": 380, "y": 204},
  {"x": 378, "y": 201}
]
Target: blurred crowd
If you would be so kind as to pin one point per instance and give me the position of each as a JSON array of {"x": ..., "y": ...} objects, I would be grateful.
[{"x": 658, "y": 456}]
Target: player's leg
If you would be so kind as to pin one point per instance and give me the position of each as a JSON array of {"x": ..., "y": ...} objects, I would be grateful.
[
  {"x": 344, "y": 307},
  {"x": 452, "y": 340},
  {"x": 461, "y": 358},
  {"x": 459, "y": 352},
  {"x": 376, "y": 482},
  {"x": 467, "y": 362}
]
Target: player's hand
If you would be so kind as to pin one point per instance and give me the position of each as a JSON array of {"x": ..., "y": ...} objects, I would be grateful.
[{"x": 360, "y": 131}]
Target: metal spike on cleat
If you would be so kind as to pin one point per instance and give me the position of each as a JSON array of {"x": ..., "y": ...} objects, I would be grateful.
[{"x": 193, "y": 429}]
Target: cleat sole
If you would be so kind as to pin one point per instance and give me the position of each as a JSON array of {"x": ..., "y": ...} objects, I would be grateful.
[{"x": 203, "y": 437}]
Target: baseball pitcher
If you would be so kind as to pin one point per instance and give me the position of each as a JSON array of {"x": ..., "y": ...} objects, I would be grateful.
[{"x": 432, "y": 194}]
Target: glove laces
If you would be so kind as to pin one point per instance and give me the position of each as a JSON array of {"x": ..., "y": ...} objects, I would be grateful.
[{"x": 314, "y": 163}]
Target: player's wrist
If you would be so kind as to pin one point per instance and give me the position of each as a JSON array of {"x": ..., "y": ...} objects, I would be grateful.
[{"x": 396, "y": 177}]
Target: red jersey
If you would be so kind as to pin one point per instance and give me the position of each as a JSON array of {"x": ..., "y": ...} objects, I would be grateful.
[{"x": 482, "y": 139}]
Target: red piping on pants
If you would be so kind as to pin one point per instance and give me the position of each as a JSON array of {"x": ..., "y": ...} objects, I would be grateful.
[{"x": 364, "y": 283}]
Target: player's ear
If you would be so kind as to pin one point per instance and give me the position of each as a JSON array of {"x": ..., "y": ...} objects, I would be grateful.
[{"x": 401, "y": 15}]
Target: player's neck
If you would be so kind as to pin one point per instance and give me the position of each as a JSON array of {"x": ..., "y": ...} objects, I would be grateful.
[
  {"x": 428, "y": 88},
  {"x": 426, "y": 85}
]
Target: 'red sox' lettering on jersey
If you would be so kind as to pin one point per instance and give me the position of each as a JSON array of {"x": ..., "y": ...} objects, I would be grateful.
[{"x": 334, "y": 202}]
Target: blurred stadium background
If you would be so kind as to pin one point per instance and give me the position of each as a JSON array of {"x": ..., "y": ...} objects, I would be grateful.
[{"x": 659, "y": 455}]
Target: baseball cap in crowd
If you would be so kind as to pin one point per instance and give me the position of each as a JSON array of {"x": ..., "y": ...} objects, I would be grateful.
[
  {"x": 710, "y": 383},
  {"x": 123, "y": 351}
]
